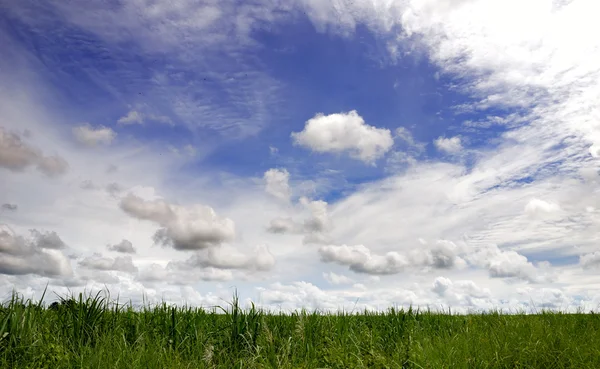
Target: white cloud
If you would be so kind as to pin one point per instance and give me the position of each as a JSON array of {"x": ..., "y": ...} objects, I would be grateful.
[
  {"x": 260, "y": 259},
  {"x": 590, "y": 261},
  {"x": 98, "y": 262},
  {"x": 337, "y": 279},
  {"x": 540, "y": 208},
  {"x": 16, "y": 155},
  {"x": 90, "y": 136},
  {"x": 184, "y": 228},
  {"x": 10, "y": 207},
  {"x": 124, "y": 246},
  {"x": 47, "y": 240},
  {"x": 180, "y": 273},
  {"x": 132, "y": 117},
  {"x": 360, "y": 259},
  {"x": 39, "y": 256},
  {"x": 315, "y": 227},
  {"x": 507, "y": 264},
  {"x": 450, "y": 145},
  {"x": 277, "y": 184},
  {"x": 344, "y": 132},
  {"x": 283, "y": 225},
  {"x": 53, "y": 166}
]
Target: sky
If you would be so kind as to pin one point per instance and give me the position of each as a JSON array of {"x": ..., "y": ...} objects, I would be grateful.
[{"x": 309, "y": 154}]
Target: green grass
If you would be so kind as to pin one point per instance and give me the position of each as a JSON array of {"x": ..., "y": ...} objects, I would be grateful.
[{"x": 91, "y": 332}]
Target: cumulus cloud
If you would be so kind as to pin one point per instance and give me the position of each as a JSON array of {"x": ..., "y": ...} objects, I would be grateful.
[
  {"x": 315, "y": 227},
  {"x": 137, "y": 117},
  {"x": 47, "y": 240},
  {"x": 19, "y": 256},
  {"x": 120, "y": 263},
  {"x": 283, "y": 225},
  {"x": 87, "y": 185},
  {"x": 506, "y": 264},
  {"x": 113, "y": 189},
  {"x": 444, "y": 255},
  {"x": 450, "y": 145},
  {"x": 541, "y": 208},
  {"x": 344, "y": 132},
  {"x": 260, "y": 259},
  {"x": 277, "y": 183},
  {"x": 184, "y": 228},
  {"x": 461, "y": 292},
  {"x": 360, "y": 259},
  {"x": 182, "y": 273},
  {"x": 337, "y": 279},
  {"x": 590, "y": 261},
  {"x": 16, "y": 155},
  {"x": 53, "y": 166},
  {"x": 90, "y": 136},
  {"x": 11, "y": 207},
  {"x": 124, "y": 246},
  {"x": 132, "y": 117}
]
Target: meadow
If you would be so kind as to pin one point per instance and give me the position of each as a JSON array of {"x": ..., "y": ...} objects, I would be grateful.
[{"x": 91, "y": 332}]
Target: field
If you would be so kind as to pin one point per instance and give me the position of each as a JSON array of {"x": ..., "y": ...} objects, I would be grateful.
[{"x": 90, "y": 332}]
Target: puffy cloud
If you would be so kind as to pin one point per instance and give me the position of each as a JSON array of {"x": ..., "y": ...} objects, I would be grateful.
[
  {"x": 113, "y": 189},
  {"x": 462, "y": 293},
  {"x": 315, "y": 227},
  {"x": 441, "y": 285},
  {"x": 184, "y": 228},
  {"x": 137, "y": 117},
  {"x": 11, "y": 207},
  {"x": 344, "y": 132},
  {"x": 260, "y": 259},
  {"x": 16, "y": 155},
  {"x": 451, "y": 145},
  {"x": 360, "y": 259},
  {"x": 53, "y": 166},
  {"x": 47, "y": 240},
  {"x": 19, "y": 256},
  {"x": 277, "y": 183},
  {"x": 132, "y": 117},
  {"x": 90, "y": 136},
  {"x": 87, "y": 185},
  {"x": 337, "y": 279},
  {"x": 182, "y": 273},
  {"x": 283, "y": 225},
  {"x": 506, "y": 264},
  {"x": 98, "y": 262},
  {"x": 124, "y": 246},
  {"x": 541, "y": 208},
  {"x": 590, "y": 261},
  {"x": 444, "y": 255}
]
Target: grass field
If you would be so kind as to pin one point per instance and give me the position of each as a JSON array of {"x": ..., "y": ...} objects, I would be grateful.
[{"x": 90, "y": 332}]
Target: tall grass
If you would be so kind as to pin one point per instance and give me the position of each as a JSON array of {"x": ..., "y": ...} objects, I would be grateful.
[{"x": 90, "y": 332}]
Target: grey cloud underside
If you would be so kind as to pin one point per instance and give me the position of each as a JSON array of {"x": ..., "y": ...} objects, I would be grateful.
[
  {"x": 19, "y": 256},
  {"x": 120, "y": 263},
  {"x": 47, "y": 240},
  {"x": 124, "y": 246},
  {"x": 315, "y": 227},
  {"x": 16, "y": 155},
  {"x": 183, "y": 228},
  {"x": 443, "y": 255},
  {"x": 11, "y": 207}
]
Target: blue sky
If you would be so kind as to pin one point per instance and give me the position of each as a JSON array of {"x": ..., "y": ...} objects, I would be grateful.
[{"x": 292, "y": 148}]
